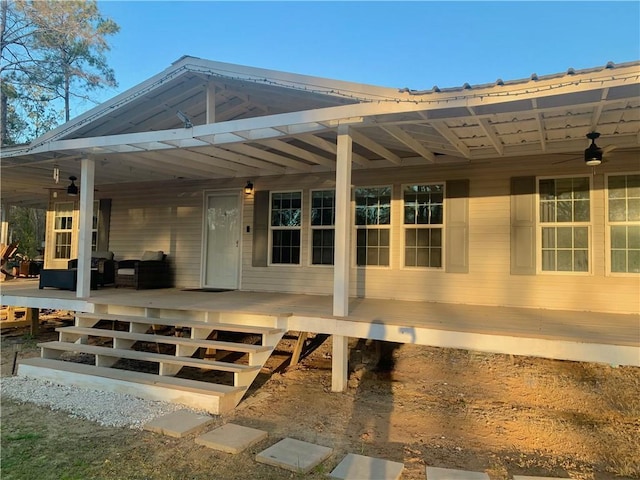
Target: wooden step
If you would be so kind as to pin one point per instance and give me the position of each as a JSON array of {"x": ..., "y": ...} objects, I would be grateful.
[
  {"x": 144, "y": 337},
  {"x": 214, "y": 398},
  {"x": 170, "y": 322},
  {"x": 147, "y": 356}
]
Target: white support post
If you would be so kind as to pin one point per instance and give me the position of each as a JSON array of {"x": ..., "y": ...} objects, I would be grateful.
[
  {"x": 87, "y": 182},
  {"x": 211, "y": 103},
  {"x": 4, "y": 224},
  {"x": 342, "y": 257}
]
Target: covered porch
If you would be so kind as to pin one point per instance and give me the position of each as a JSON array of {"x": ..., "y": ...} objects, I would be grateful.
[{"x": 558, "y": 334}]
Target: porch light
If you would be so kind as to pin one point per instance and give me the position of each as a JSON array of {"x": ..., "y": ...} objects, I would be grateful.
[
  {"x": 72, "y": 190},
  {"x": 593, "y": 154},
  {"x": 248, "y": 188}
]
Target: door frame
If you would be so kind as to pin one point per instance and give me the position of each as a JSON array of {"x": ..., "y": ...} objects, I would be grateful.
[{"x": 205, "y": 231}]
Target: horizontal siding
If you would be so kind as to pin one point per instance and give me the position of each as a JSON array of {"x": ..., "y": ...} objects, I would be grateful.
[{"x": 170, "y": 219}]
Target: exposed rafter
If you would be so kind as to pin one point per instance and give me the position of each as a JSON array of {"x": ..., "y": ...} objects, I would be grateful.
[
  {"x": 375, "y": 147},
  {"x": 410, "y": 142}
]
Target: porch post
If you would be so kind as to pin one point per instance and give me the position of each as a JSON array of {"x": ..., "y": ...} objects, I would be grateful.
[
  {"x": 4, "y": 224},
  {"x": 87, "y": 182},
  {"x": 342, "y": 257}
]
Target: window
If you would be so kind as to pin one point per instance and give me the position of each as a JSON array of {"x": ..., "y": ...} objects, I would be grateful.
[
  {"x": 323, "y": 220},
  {"x": 286, "y": 218},
  {"x": 373, "y": 222},
  {"x": 63, "y": 229},
  {"x": 624, "y": 222},
  {"x": 94, "y": 226},
  {"x": 423, "y": 219},
  {"x": 564, "y": 224}
]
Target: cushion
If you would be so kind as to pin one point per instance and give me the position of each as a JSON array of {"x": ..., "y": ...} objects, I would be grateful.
[
  {"x": 126, "y": 271},
  {"x": 152, "y": 255}
]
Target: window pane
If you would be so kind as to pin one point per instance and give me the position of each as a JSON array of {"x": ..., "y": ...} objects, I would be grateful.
[
  {"x": 410, "y": 257},
  {"x": 618, "y": 237},
  {"x": 618, "y": 261},
  {"x": 617, "y": 210},
  {"x": 634, "y": 236},
  {"x": 372, "y": 237},
  {"x": 565, "y": 237},
  {"x": 423, "y": 237},
  {"x": 564, "y": 212},
  {"x": 548, "y": 260},
  {"x": 547, "y": 212},
  {"x": 580, "y": 261},
  {"x": 634, "y": 261},
  {"x": 548, "y": 237},
  {"x": 565, "y": 260},
  {"x": 423, "y": 257},
  {"x": 436, "y": 257},
  {"x": 581, "y": 237},
  {"x": 410, "y": 236},
  {"x": 384, "y": 256},
  {"x": 634, "y": 209},
  {"x": 617, "y": 186},
  {"x": 436, "y": 237},
  {"x": 581, "y": 213},
  {"x": 384, "y": 236}
]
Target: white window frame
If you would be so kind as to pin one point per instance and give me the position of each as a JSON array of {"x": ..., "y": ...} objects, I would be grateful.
[
  {"x": 278, "y": 228},
  {"x": 385, "y": 226},
  {"x": 540, "y": 225},
  {"x": 313, "y": 228},
  {"x": 609, "y": 224},
  {"x": 70, "y": 231},
  {"x": 440, "y": 226}
]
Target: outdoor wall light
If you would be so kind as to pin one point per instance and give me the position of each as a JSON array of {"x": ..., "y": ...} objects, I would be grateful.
[
  {"x": 72, "y": 190},
  {"x": 248, "y": 188},
  {"x": 593, "y": 154}
]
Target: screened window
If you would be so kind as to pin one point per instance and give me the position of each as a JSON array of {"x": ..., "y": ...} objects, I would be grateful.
[
  {"x": 564, "y": 224},
  {"x": 423, "y": 219},
  {"x": 624, "y": 222},
  {"x": 323, "y": 215},
  {"x": 63, "y": 229},
  {"x": 286, "y": 219},
  {"x": 373, "y": 223}
]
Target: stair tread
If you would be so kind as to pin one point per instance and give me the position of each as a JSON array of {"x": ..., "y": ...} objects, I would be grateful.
[
  {"x": 193, "y": 386},
  {"x": 181, "y": 323},
  {"x": 147, "y": 356},
  {"x": 144, "y": 337}
]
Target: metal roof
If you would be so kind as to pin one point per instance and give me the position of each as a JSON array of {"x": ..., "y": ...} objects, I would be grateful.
[{"x": 269, "y": 122}]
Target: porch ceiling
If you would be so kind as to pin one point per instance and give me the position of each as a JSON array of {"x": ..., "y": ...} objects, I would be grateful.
[{"x": 275, "y": 125}]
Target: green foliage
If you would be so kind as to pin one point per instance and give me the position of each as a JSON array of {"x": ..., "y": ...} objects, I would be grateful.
[
  {"x": 52, "y": 53},
  {"x": 27, "y": 227}
]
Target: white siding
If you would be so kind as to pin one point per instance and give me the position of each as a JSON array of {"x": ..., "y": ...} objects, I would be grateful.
[{"x": 169, "y": 218}]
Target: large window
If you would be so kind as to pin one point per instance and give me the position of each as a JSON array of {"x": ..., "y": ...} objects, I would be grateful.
[
  {"x": 323, "y": 219},
  {"x": 63, "y": 229},
  {"x": 564, "y": 224},
  {"x": 624, "y": 222},
  {"x": 373, "y": 225},
  {"x": 423, "y": 218},
  {"x": 286, "y": 219}
]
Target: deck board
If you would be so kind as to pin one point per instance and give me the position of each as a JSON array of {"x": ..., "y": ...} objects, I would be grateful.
[{"x": 589, "y": 327}]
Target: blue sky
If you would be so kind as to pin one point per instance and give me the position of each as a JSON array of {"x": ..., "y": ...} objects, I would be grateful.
[{"x": 394, "y": 44}]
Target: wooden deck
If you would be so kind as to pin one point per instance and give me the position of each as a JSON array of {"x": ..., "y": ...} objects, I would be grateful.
[{"x": 485, "y": 328}]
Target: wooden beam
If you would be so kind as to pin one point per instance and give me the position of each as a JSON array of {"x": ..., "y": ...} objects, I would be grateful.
[
  {"x": 285, "y": 147},
  {"x": 410, "y": 142},
  {"x": 491, "y": 134},
  {"x": 375, "y": 147},
  {"x": 442, "y": 128},
  {"x": 330, "y": 147},
  {"x": 270, "y": 157}
]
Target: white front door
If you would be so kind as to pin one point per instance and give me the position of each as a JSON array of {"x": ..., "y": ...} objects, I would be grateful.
[{"x": 222, "y": 241}]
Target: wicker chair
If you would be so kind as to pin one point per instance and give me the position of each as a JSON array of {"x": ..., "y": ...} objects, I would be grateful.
[
  {"x": 151, "y": 271},
  {"x": 103, "y": 264}
]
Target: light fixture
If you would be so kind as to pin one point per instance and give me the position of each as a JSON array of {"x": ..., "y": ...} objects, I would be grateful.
[
  {"x": 72, "y": 190},
  {"x": 183, "y": 117},
  {"x": 248, "y": 188},
  {"x": 593, "y": 154}
]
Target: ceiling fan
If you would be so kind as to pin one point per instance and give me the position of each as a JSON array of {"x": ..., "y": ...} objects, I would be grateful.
[{"x": 593, "y": 155}]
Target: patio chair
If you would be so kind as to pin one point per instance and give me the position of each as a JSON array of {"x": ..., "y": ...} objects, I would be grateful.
[
  {"x": 6, "y": 254},
  {"x": 151, "y": 271},
  {"x": 103, "y": 263}
]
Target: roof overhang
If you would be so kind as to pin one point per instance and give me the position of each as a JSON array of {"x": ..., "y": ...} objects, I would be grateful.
[{"x": 389, "y": 128}]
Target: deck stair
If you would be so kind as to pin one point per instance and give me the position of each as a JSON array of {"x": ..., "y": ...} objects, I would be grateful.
[{"x": 124, "y": 349}]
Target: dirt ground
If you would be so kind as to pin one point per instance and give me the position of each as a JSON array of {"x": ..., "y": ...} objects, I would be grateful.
[{"x": 440, "y": 407}]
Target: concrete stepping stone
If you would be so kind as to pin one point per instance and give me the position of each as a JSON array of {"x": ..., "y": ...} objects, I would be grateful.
[
  {"x": 436, "y": 473},
  {"x": 178, "y": 424},
  {"x": 359, "y": 467},
  {"x": 294, "y": 455},
  {"x": 231, "y": 438}
]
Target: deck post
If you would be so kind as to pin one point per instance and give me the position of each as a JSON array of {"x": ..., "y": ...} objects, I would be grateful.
[
  {"x": 342, "y": 256},
  {"x": 87, "y": 182}
]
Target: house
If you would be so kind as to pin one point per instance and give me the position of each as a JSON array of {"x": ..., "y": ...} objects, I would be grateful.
[{"x": 494, "y": 204}]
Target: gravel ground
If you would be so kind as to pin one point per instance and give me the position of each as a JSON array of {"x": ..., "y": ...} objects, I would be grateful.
[{"x": 106, "y": 408}]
